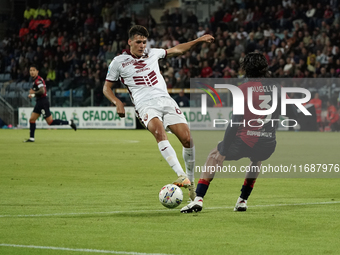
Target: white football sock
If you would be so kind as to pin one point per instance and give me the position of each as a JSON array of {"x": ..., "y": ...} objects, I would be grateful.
[
  {"x": 169, "y": 155},
  {"x": 197, "y": 199},
  {"x": 239, "y": 200},
  {"x": 189, "y": 160}
]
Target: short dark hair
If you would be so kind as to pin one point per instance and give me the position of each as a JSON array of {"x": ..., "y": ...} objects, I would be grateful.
[
  {"x": 138, "y": 30},
  {"x": 255, "y": 65},
  {"x": 34, "y": 66}
]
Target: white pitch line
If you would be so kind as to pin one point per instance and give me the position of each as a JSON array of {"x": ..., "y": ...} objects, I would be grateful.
[
  {"x": 161, "y": 210},
  {"x": 79, "y": 250},
  {"x": 81, "y": 213}
]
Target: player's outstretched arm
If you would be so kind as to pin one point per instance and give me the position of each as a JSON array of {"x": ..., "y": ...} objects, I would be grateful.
[
  {"x": 107, "y": 90},
  {"x": 180, "y": 49}
]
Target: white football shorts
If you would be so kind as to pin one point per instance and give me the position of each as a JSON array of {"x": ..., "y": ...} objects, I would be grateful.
[{"x": 164, "y": 108}]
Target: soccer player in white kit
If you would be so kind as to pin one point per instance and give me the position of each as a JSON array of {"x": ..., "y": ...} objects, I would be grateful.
[{"x": 138, "y": 70}]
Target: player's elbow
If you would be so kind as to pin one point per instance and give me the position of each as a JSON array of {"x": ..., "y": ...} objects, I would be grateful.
[{"x": 180, "y": 52}]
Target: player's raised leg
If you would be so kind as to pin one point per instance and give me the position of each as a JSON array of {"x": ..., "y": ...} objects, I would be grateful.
[
  {"x": 50, "y": 121},
  {"x": 182, "y": 132},
  {"x": 248, "y": 185},
  {"x": 33, "y": 119},
  {"x": 155, "y": 126}
]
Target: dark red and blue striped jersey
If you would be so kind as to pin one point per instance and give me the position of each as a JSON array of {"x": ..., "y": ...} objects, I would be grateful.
[
  {"x": 255, "y": 129},
  {"x": 259, "y": 128},
  {"x": 39, "y": 82}
]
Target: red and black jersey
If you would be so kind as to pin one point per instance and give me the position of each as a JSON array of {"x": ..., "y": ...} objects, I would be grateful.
[
  {"x": 262, "y": 97},
  {"x": 39, "y": 82},
  {"x": 332, "y": 114},
  {"x": 255, "y": 129},
  {"x": 318, "y": 108}
]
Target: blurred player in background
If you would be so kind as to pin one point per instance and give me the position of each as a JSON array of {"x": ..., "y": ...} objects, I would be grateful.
[
  {"x": 42, "y": 105},
  {"x": 316, "y": 101},
  {"x": 138, "y": 70},
  {"x": 240, "y": 141},
  {"x": 332, "y": 116}
]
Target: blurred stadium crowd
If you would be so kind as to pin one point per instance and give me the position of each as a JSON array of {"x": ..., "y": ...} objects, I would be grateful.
[{"x": 73, "y": 43}]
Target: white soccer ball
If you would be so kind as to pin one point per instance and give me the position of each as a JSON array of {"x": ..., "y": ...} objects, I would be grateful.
[{"x": 171, "y": 196}]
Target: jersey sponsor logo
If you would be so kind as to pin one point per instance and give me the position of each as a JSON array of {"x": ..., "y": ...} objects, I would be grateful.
[
  {"x": 139, "y": 65},
  {"x": 259, "y": 133},
  {"x": 128, "y": 63},
  {"x": 142, "y": 70},
  {"x": 148, "y": 80}
]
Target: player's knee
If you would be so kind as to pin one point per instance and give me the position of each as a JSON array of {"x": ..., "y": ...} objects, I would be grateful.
[
  {"x": 187, "y": 142},
  {"x": 159, "y": 135}
]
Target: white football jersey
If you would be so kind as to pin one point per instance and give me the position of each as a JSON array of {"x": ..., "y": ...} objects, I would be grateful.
[{"x": 141, "y": 75}]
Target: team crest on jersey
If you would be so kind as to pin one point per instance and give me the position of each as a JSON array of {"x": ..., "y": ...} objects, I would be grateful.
[
  {"x": 146, "y": 116},
  {"x": 139, "y": 64}
]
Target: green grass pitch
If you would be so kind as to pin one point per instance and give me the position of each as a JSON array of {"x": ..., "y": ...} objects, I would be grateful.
[{"x": 96, "y": 191}]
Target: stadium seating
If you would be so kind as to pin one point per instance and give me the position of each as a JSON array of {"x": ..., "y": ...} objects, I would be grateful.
[{"x": 93, "y": 55}]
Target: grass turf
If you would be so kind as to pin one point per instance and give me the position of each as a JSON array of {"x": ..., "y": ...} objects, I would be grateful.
[{"x": 98, "y": 189}]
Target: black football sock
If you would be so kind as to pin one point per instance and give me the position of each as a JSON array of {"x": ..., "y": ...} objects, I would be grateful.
[
  {"x": 59, "y": 122},
  {"x": 202, "y": 188},
  {"x": 32, "y": 129},
  {"x": 247, "y": 188}
]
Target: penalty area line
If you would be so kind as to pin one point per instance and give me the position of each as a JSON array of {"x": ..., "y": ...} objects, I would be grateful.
[
  {"x": 160, "y": 210},
  {"x": 78, "y": 250}
]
